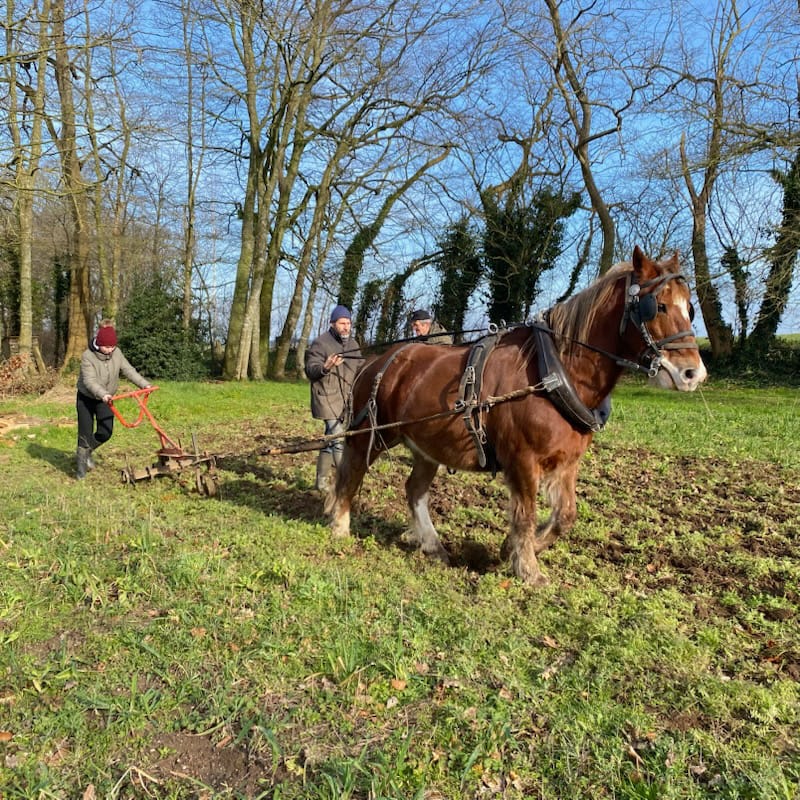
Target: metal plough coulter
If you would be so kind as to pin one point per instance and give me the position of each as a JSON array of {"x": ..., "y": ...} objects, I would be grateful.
[{"x": 172, "y": 458}]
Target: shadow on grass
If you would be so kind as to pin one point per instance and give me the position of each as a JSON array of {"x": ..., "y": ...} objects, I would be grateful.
[
  {"x": 271, "y": 490},
  {"x": 60, "y": 459}
]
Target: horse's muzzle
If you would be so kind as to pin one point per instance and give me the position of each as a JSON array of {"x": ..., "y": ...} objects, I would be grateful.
[{"x": 676, "y": 376}]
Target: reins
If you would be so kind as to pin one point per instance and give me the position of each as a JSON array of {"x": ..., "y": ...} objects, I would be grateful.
[
  {"x": 548, "y": 383},
  {"x": 319, "y": 443}
]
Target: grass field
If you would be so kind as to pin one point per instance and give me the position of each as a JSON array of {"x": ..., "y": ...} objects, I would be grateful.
[{"x": 156, "y": 643}]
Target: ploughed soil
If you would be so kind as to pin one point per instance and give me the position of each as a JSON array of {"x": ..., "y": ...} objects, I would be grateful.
[{"x": 648, "y": 504}]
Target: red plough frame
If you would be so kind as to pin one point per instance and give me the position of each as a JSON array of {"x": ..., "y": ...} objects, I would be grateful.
[{"x": 172, "y": 458}]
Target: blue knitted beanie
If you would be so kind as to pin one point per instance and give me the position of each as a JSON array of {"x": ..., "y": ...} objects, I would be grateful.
[{"x": 340, "y": 312}]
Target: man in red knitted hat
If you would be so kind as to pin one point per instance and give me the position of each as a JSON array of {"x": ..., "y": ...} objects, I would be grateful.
[{"x": 98, "y": 381}]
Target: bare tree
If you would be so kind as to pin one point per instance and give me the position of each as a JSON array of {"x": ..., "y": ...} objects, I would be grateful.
[
  {"x": 354, "y": 98},
  {"x": 27, "y": 40},
  {"x": 75, "y": 189}
]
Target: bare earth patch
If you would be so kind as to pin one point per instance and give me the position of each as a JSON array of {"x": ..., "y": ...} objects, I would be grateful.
[{"x": 209, "y": 768}]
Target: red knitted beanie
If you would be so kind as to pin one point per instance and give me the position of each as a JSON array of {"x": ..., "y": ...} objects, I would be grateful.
[{"x": 106, "y": 337}]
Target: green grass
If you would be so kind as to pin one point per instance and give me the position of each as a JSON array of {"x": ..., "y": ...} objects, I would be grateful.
[{"x": 142, "y": 623}]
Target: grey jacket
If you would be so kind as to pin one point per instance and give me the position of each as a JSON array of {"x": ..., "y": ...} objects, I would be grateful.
[
  {"x": 330, "y": 391},
  {"x": 100, "y": 373},
  {"x": 438, "y": 335}
]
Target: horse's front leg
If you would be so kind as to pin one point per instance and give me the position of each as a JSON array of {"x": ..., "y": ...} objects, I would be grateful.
[
  {"x": 349, "y": 475},
  {"x": 560, "y": 490},
  {"x": 417, "y": 496},
  {"x": 520, "y": 546}
]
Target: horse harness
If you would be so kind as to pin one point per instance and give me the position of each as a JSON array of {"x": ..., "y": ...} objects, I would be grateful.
[
  {"x": 639, "y": 309},
  {"x": 469, "y": 396}
]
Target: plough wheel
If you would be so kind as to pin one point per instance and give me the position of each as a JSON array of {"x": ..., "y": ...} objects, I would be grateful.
[{"x": 206, "y": 483}]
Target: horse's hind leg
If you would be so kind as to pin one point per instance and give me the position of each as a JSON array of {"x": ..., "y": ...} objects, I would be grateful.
[
  {"x": 349, "y": 474},
  {"x": 560, "y": 490},
  {"x": 417, "y": 488}
]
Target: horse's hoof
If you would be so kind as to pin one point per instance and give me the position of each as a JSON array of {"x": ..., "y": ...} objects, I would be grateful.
[
  {"x": 409, "y": 536},
  {"x": 537, "y": 581}
]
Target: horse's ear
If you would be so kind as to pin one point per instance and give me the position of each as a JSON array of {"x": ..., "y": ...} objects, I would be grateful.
[{"x": 643, "y": 268}]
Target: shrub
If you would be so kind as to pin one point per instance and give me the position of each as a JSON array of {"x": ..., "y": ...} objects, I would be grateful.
[{"x": 152, "y": 337}]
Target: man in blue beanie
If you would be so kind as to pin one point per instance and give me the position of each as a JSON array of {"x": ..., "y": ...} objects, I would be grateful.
[{"x": 331, "y": 363}]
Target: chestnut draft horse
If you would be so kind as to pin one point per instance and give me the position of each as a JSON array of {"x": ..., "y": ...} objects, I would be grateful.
[{"x": 521, "y": 410}]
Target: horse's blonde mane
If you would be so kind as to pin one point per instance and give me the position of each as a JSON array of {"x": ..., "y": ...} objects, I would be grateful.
[{"x": 573, "y": 318}]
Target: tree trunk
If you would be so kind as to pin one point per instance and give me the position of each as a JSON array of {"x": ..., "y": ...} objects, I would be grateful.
[
  {"x": 783, "y": 257},
  {"x": 720, "y": 335},
  {"x": 80, "y": 316},
  {"x": 26, "y": 116},
  {"x": 580, "y": 112}
]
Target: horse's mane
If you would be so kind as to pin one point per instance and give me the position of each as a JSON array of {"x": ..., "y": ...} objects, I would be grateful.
[{"x": 573, "y": 318}]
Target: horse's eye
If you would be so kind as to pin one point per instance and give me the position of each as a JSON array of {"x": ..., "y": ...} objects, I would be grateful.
[{"x": 662, "y": 308}]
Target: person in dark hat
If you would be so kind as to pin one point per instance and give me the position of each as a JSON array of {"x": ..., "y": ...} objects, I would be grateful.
[
  {"x": 423, "y": 325},
  {"x": 101, "y": 365},
  {"x": 331, "y": 363}
]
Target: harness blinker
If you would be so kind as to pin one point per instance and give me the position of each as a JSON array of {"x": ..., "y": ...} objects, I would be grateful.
[{"x": 642, "y": 308}]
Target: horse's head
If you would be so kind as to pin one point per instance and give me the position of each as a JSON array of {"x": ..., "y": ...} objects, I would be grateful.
[{"x": 658, "y": 304}]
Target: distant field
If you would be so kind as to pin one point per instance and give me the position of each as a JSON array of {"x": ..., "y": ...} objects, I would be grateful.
[{"x": 157, "y": 643}]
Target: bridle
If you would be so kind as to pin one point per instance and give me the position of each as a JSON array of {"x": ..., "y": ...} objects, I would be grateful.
[
  {"x": 643, "y": 308},
  {"x": 639, "y": 310}
]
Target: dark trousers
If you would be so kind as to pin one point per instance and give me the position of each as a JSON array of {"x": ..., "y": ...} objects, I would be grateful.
[{"x": 89, "y": 412}]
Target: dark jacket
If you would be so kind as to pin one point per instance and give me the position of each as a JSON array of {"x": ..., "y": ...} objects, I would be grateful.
[
  {"x": 330, "y": 391},
  {"x": 100, "y": 373}
]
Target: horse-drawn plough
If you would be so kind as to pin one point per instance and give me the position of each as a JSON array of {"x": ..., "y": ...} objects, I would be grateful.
[{"x": 172, "y": 457}]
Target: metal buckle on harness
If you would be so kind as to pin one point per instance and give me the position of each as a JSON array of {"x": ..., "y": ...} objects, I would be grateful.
[
  {"x": 655, "y": 366},
  {"x": 551, "y": 382}
]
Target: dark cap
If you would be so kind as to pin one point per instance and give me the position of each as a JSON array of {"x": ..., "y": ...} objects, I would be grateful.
[{"x": 420, "y": 315}]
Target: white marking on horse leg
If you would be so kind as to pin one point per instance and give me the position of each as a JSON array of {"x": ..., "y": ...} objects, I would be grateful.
[
  {"x": 340, "y": 522},
  {"x": 417, "y": 496},
  {"x": 525, "y": 564},
  {"x": 425, "y": 532},
  {"x": 338, "y": 502}
]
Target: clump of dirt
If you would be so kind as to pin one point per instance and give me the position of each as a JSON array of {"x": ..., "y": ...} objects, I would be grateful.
[{"x": 197, "y": 761}]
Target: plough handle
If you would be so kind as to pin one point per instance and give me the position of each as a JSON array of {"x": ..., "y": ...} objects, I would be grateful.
[{"x": 141, "y": 396}]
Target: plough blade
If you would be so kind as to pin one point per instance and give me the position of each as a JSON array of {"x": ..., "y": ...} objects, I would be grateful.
[{"x": 172, "y": 462}]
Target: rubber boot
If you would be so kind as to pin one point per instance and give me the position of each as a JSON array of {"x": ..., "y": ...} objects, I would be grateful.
[
  {"x": 82, "y": 461},
  {"x": 324, "y": 470},
  {"x": 90, "y": 465}
]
